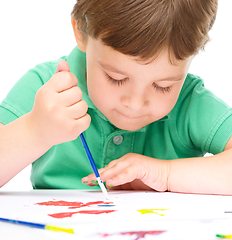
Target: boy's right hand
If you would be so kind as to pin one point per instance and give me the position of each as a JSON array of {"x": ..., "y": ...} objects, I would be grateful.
[{"x": 59, "y": 114}]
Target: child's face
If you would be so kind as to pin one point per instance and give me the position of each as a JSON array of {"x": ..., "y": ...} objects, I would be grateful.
[{"x": 132, "y": 94}]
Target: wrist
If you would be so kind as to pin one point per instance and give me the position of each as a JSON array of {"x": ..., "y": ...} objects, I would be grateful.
[{"x": 157, "y": 174}]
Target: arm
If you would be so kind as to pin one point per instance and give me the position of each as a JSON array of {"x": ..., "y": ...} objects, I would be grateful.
[
  {"x": 206, "y": 175},
  {"x": 209, "y": 175},
  {"x": 18, "y": 148},
  {"x": 58, "y": 115}
]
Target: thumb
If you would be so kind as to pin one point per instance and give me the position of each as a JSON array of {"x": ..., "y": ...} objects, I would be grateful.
[{"x": 62, "y": 66}]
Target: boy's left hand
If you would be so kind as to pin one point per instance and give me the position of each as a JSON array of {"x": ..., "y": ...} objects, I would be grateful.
[{"x": 134, "y": 171}]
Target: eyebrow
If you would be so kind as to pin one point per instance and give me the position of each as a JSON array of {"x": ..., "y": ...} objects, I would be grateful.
[{"x": 112, "y": 69}]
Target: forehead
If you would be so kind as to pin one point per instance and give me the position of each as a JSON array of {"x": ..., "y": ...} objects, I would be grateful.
[{"x": 110, "y": 58}]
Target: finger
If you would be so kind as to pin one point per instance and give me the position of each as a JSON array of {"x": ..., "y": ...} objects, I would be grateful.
[
  {"x": 126, "y": 186},
  {"x": 116, "y": 188},
  {"x": 62, "y": 66},
  {"x": 76, "y": 127},
  {"x": 89, "y": 179},
  {"x": 126, "y": 176},
  {"x": 92, "y": 176},
  {"x": 78, "y": 110},
  {"x": 84, "y": 122},
  {"x": 92, "y": 183},
  {"x": 113, "y": 169},
  {"x": 69, "y": 80},
  {"x": 70, "y": 96},
  {"x": 62, "y": 81},
  {"x": 111, "y": 164}
]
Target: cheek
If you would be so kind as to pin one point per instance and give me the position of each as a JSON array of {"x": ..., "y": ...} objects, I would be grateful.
[
  {"x": 172, "y": 99},
  {"x": 94, "y": 84},
  {"x": 165, "y": 102},
  {"x": 161, "y": 108},
  {"x": 96, "y": 93},
  {"x": 100, "y": 93}
]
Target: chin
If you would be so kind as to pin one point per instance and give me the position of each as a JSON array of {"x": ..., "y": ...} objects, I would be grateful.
[{"x": 128, "y": 127}]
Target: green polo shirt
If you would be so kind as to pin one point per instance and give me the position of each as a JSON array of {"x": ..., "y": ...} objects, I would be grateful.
[{"x": 199, "y": 123}]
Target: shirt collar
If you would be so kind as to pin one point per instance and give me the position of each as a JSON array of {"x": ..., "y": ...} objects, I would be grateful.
[{"x": 164, "y": 118}]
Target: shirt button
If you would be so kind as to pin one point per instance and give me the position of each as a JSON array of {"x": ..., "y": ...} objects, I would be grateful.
[{"x": 118, "y": 140}]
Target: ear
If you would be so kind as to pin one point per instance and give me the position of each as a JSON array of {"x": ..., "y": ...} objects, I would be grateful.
[{"x": 78, "y": 36}]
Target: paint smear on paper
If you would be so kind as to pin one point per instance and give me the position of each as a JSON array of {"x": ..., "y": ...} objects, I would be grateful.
[
  {"x": 60, "y": 203},
  {"x": 145, "y": 211},
  {"x": 62, "y": 215},
  {"x": 96, "y": 211},
  {"x": 74, "y": 205},
  {"x": 138, "y": 234},
  {"x": 71, "y": 205},
  {"x": 69, "y": 214}
]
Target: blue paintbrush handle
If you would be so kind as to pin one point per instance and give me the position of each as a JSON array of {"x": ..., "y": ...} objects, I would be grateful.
[
  {"x": 36, "y": 225},
  {"x": 28, "y": 224},
  {"x": 89, "y": 156}
]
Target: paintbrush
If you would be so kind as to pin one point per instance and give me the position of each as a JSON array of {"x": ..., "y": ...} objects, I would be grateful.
[
  {"x": 102, "y": 186},
  {"x": 37, "y": 225}
]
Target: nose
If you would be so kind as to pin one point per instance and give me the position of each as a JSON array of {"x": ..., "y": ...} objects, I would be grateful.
[{"x": 135, "y": 100}]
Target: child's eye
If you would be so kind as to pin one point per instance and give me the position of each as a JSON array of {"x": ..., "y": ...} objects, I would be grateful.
[
  {"x": 115, "y": 81},
  {"x": 161, "y": 89}
]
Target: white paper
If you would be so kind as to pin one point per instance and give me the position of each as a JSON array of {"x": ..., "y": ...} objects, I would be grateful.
[{"x": 179, "y": 216}]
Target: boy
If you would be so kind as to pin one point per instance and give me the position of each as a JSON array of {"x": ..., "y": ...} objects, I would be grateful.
[{"x": 129, "y": 78}]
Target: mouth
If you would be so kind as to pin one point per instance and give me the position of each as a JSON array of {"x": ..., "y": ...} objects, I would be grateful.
[{"x": 132, "y": 117}]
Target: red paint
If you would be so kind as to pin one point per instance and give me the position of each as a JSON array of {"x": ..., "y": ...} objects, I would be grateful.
[
  {"x": 138, "y": 234},
  {"x": 96, "y": 211},
  {"x": 91, "y": 203},
  {"x": 60, "y": 203},
  {"x": 96, "y": 203},
  {"x": 74, "y": 205},
  {"x": 142, "y": 234},
  {"x": 69, "y": 214},
  {"x": 105, "y": 234},
  {"x": 71, "y": 205},
  {"x": 62, "y": 215}
]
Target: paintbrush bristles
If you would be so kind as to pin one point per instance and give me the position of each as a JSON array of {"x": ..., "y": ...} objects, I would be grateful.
[{"x": 102, "y": 186}]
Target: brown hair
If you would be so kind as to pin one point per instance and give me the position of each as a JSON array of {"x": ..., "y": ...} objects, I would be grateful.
[{"x": 142, "y": 28}]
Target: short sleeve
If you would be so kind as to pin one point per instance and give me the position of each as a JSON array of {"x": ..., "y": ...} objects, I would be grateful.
[{"x": 204, "y": 122}]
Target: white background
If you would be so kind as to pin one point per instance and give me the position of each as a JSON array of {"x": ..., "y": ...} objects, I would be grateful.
[{"x": 37, "y": 31}]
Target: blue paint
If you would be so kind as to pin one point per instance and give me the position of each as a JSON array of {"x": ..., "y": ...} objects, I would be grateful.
[{"x": 106, "y": 205}]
